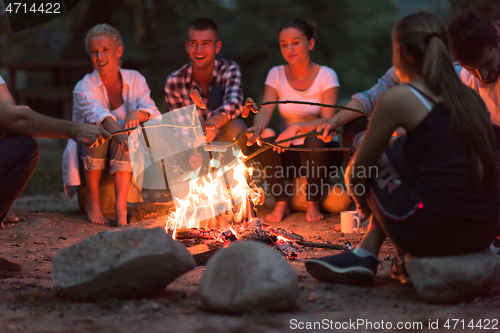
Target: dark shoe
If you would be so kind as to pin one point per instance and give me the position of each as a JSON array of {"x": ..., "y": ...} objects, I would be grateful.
[
  {"x": 399, "y": 272},
  {"x": 9, "y": 269},
  {"x": 345, "y": 268},
  {"x": 495, "y": 245}
]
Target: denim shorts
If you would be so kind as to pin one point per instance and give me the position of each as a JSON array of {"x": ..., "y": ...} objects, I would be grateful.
[{"x": 95, "y": 158}]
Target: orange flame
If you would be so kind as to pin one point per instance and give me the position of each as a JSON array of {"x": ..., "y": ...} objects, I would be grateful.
[{"x": 215, "y": 200}]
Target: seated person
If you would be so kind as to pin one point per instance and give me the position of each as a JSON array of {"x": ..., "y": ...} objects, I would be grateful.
[
  {"x": 351, "y": 122},
  {"x": 115, "y": 99},
  {"x": 475, "y": 43},
  {"x": 6, "y": 98},
  {"x": 436, "y": 189},
  {"x": 303, "y": 80},
  {"x": 20, "y": 154},
  {"x": 217, "y": 80}
]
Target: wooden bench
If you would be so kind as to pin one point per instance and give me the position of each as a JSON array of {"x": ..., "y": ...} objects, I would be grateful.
[{"x": 37, "y": 97}]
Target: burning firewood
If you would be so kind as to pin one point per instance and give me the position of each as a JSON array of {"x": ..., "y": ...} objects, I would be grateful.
[
  {"x": 145, "y": 211},
  {"x": 288, "y": 234},
  {"x": 195, "y": 233},
  {"x": 321, "y": 245}
]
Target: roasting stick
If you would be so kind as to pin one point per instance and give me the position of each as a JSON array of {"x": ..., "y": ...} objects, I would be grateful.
[
  {"x": 276, "y": 144},
  {"x": 150, "y": 126},
  {"x": 250, "y": 103},
  {"x": 321, "y": 245},
  {"x": 196, "y": 97}
]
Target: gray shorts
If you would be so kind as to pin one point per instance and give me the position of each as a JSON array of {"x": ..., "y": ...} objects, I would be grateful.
[{"x": 95, "y": 158}]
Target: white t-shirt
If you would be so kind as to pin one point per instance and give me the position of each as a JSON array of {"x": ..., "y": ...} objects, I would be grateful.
[
  {"x": 293, "y": 113},
  {"x": 490, "y": 93},
  {"x": 2, "y": 81}
]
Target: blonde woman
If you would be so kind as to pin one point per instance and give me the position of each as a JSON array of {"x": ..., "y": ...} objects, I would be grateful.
[{"x": 115, "y": 99}]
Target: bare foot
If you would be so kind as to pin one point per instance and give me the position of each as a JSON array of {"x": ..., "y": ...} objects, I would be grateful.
[
  {"x": 121, "y": 215},
  {"x": 280, "y": 211},
  {"x": 313, "y": 214},
  {"x": 10, "y": 217},
  {"x": 94, "y": 213}
]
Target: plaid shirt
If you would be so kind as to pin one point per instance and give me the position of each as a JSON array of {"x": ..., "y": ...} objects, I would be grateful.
[{"x": 226, "y": 74}]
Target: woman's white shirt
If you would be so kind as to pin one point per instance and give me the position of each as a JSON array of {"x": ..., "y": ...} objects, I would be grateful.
[{"x": 293, "y": 113}]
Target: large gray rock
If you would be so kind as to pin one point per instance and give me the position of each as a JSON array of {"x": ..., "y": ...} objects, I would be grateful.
[
  {"x": 454, "y": 278},
  {"x": 248, "y": 277},
  {"x": 122, "y": 264}
]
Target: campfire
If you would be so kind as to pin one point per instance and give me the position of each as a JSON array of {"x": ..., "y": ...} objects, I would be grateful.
[
  {"x": 218, "y": 209},
  {"x": 214, "y": 200},
  {"x": 218, "y": 199}
]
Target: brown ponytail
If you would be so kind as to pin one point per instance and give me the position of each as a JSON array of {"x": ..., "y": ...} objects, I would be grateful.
[{"x": 425, "y": 40}]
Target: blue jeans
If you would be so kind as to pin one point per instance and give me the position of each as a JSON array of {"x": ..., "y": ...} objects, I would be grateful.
[{"x": 19, "y": 158}]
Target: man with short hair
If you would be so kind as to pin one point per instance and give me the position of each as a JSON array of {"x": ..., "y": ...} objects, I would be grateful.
[
  {"x": 475, "y": 44},
  {"x": 20, "y": 153},
  {"x": 217, "y": 80}
]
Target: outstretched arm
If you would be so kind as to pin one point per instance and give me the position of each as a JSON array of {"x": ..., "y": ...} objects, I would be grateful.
[
  {"x": 340, "y": 119},
  {"x": 23, "y": 120},
  {"x": 365, "y": 100},
  {"x": 329, "y": 96}
]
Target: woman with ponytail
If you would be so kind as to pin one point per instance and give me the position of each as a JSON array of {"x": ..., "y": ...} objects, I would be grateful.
[{"x": 435, "y": 191}]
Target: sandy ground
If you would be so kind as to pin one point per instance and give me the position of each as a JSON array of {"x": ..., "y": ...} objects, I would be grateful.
[{"x": 51, "y": 223}]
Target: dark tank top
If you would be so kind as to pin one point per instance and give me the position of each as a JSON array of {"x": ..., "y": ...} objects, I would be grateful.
[{"x": 439, "y": 162}]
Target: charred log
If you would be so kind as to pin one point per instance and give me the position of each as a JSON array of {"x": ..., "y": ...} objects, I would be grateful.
[
  {"x": 321, "y": 245},
  {"x": 146, "y": 211},
  {"x": 195, "y": 233}
]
